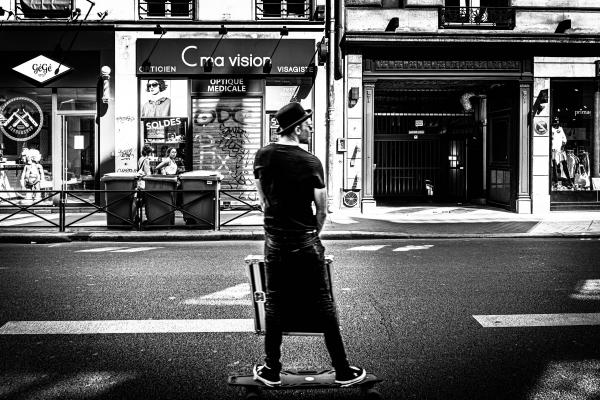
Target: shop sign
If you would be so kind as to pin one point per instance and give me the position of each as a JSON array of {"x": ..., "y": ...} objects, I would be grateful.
[
  {"x": 41, "y": 69},
  {"x": 227, "y": 86},
  {"x": 21, "y": 119},
  {"x": 227, "y": 56}
]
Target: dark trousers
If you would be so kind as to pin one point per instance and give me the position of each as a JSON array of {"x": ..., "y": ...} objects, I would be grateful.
[{"x": 296, "y": 272}]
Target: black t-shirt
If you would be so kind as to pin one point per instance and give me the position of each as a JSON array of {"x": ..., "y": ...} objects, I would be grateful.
[{"x": 288, "y": 176}]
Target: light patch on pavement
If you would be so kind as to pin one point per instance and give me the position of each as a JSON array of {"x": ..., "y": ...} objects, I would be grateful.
[
  {"x": 587, "y": 290},
  {"x": 126, "y": 326},
  {"x": 79, "y": 386},
  {"x": 374, "y": 247},
  {"x": 561, "y": 380},
  {"x": 410, "y": 248},
  {"x": 99, "y": 249},
  {"x": 235, "y": 295},
  {"x": 532, "y": 320},
  {"x": 135, "y": 249}
]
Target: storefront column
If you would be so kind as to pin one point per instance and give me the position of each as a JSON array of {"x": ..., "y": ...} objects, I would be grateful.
[
  {"x": 523, "y": 185},
  {"x": 368, "y": 201},
  {"x": 595, "y": 170}
]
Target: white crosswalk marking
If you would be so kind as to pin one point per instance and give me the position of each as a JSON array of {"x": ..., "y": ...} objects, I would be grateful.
[
  {"x": 120, "y": 249},
  {"x": 368, "y": 248},
  {"x": 135, "y": 249},
  {"x": 98, "y": 249},
  {"x": 126, "y": 326},
  {"x": 409, "y": 248},
  {"x": 235, "y": 295},
  {"x": 528, "y": 320}
]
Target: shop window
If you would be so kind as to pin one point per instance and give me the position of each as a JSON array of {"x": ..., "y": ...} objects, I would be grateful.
[
  {"x": 163, "y": 112},
  {"x": 26, "y": 129},
  {"x": 571, "y": 135},
  {"x": 283, "y": 9},
  {"x": 44, "y": 8},
  {"x": 166, "y": 8},
  {"x": 81, "y": 99}
]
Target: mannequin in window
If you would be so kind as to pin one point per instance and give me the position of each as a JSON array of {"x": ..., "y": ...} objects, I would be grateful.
[{"x": 559, "y": 156}]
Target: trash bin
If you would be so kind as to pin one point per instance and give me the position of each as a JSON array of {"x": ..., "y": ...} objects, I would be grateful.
[
  {"x": 159, "y": 199},
  {"x": 120, "y": 199},
  {"x": 200, "y": 198}
]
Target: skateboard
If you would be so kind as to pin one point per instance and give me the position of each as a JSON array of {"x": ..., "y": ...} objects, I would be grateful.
[{"x": 304, "y": 379}]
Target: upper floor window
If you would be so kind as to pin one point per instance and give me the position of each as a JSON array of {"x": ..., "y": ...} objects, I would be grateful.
[
  {"x": 44, "y": 8},
  {"x": 495, "y": 14},
  {"x": 283, "y": 9},
  {"x": 180, "y": 9}
]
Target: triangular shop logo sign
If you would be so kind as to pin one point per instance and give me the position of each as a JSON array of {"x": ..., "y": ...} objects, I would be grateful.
[{"x": 41, "y": 69}]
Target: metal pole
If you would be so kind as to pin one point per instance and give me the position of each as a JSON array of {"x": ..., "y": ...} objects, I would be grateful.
[{"x": 595, "y": 170}]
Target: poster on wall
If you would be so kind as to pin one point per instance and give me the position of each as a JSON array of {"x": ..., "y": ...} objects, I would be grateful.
[{"x": 163, "y": 98}]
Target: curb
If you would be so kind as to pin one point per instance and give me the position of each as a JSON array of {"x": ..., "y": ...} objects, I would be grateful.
[{"x": 187, "y": 236}]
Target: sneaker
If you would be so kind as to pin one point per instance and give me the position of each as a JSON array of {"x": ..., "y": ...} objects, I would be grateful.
[
  {"x": 266, "y": 375},
  {"x": 350, "y": 376}
]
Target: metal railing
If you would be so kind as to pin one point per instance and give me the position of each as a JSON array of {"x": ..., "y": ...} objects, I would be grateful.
[
  {"x": 126, "y": 209},
  {"x": 166, "y": 9},
  {"x": 283, "y": 9},
  {"x": 477, "y": 17},
  {"x": 58, "y": 9}
]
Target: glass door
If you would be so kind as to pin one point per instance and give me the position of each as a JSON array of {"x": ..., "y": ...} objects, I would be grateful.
[{"x": 79, "y": 155}]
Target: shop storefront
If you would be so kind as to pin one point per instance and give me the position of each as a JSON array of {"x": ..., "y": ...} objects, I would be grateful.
[
  {"x": 49, "y": 113},
  {"x": 445, "y": 130},
  {"x": 213, "y": 100},
  {"x": 566, "y": 133}
]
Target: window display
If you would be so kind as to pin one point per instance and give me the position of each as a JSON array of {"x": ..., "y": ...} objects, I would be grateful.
[
  {"x": 163, "y": 112},
  {"x": 25, "y": 138},
  {"x": 571, "y": 135}
]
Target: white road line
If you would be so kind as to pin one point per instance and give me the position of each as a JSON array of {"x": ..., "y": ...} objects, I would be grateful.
[
  {"x": 368, "y": 248},
  {"x": 135, "y": 249},
  {"x": 126, "y": 326},
  {"x": 99, "y": 249},
  {"x": 409, "y": 248},
  {"x": 235, "y": 295},
  {"x": 530, "y": 320},
  {"x": 587, "y": 290}
]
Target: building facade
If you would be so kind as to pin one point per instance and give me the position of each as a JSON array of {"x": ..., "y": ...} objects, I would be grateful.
[
  {"x": 473, "y": 101},
  {"x": 202, "y": 77}
]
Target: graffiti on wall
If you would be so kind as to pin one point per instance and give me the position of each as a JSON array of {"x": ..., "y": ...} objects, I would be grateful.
[{"x": 226, "y": 137}]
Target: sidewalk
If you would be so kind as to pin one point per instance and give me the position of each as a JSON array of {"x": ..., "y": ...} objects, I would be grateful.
[{"x": 427, "y": 221}]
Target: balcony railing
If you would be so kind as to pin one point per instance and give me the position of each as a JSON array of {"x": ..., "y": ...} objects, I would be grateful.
[
  {"x": 42, "y": 9},
  {"x": 283, "y": 9},
  {"x": 166, "y": 9},
  {"x": 477, "y": 17}
]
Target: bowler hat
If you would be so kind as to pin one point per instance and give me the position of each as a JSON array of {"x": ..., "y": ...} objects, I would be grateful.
[{"x": 289, "y": 116}]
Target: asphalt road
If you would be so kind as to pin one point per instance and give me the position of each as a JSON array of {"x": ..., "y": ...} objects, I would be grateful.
[{"x": 406, "y": 308}]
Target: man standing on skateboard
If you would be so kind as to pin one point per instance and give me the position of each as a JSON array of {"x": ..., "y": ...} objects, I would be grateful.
[{"x": 289, "y": 179}]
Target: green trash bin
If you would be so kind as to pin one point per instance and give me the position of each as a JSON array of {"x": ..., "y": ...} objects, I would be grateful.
[
  {"x": 159, "y": 199},
  {"x": 120, "y": 199},
  {"x": 200, "y": 198}
]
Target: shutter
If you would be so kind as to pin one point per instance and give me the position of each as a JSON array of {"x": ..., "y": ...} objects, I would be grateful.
[{"x": 227, "y": 134}]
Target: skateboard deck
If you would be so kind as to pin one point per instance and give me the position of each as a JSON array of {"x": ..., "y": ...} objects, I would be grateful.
[{"x": 303, "y": 379}]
